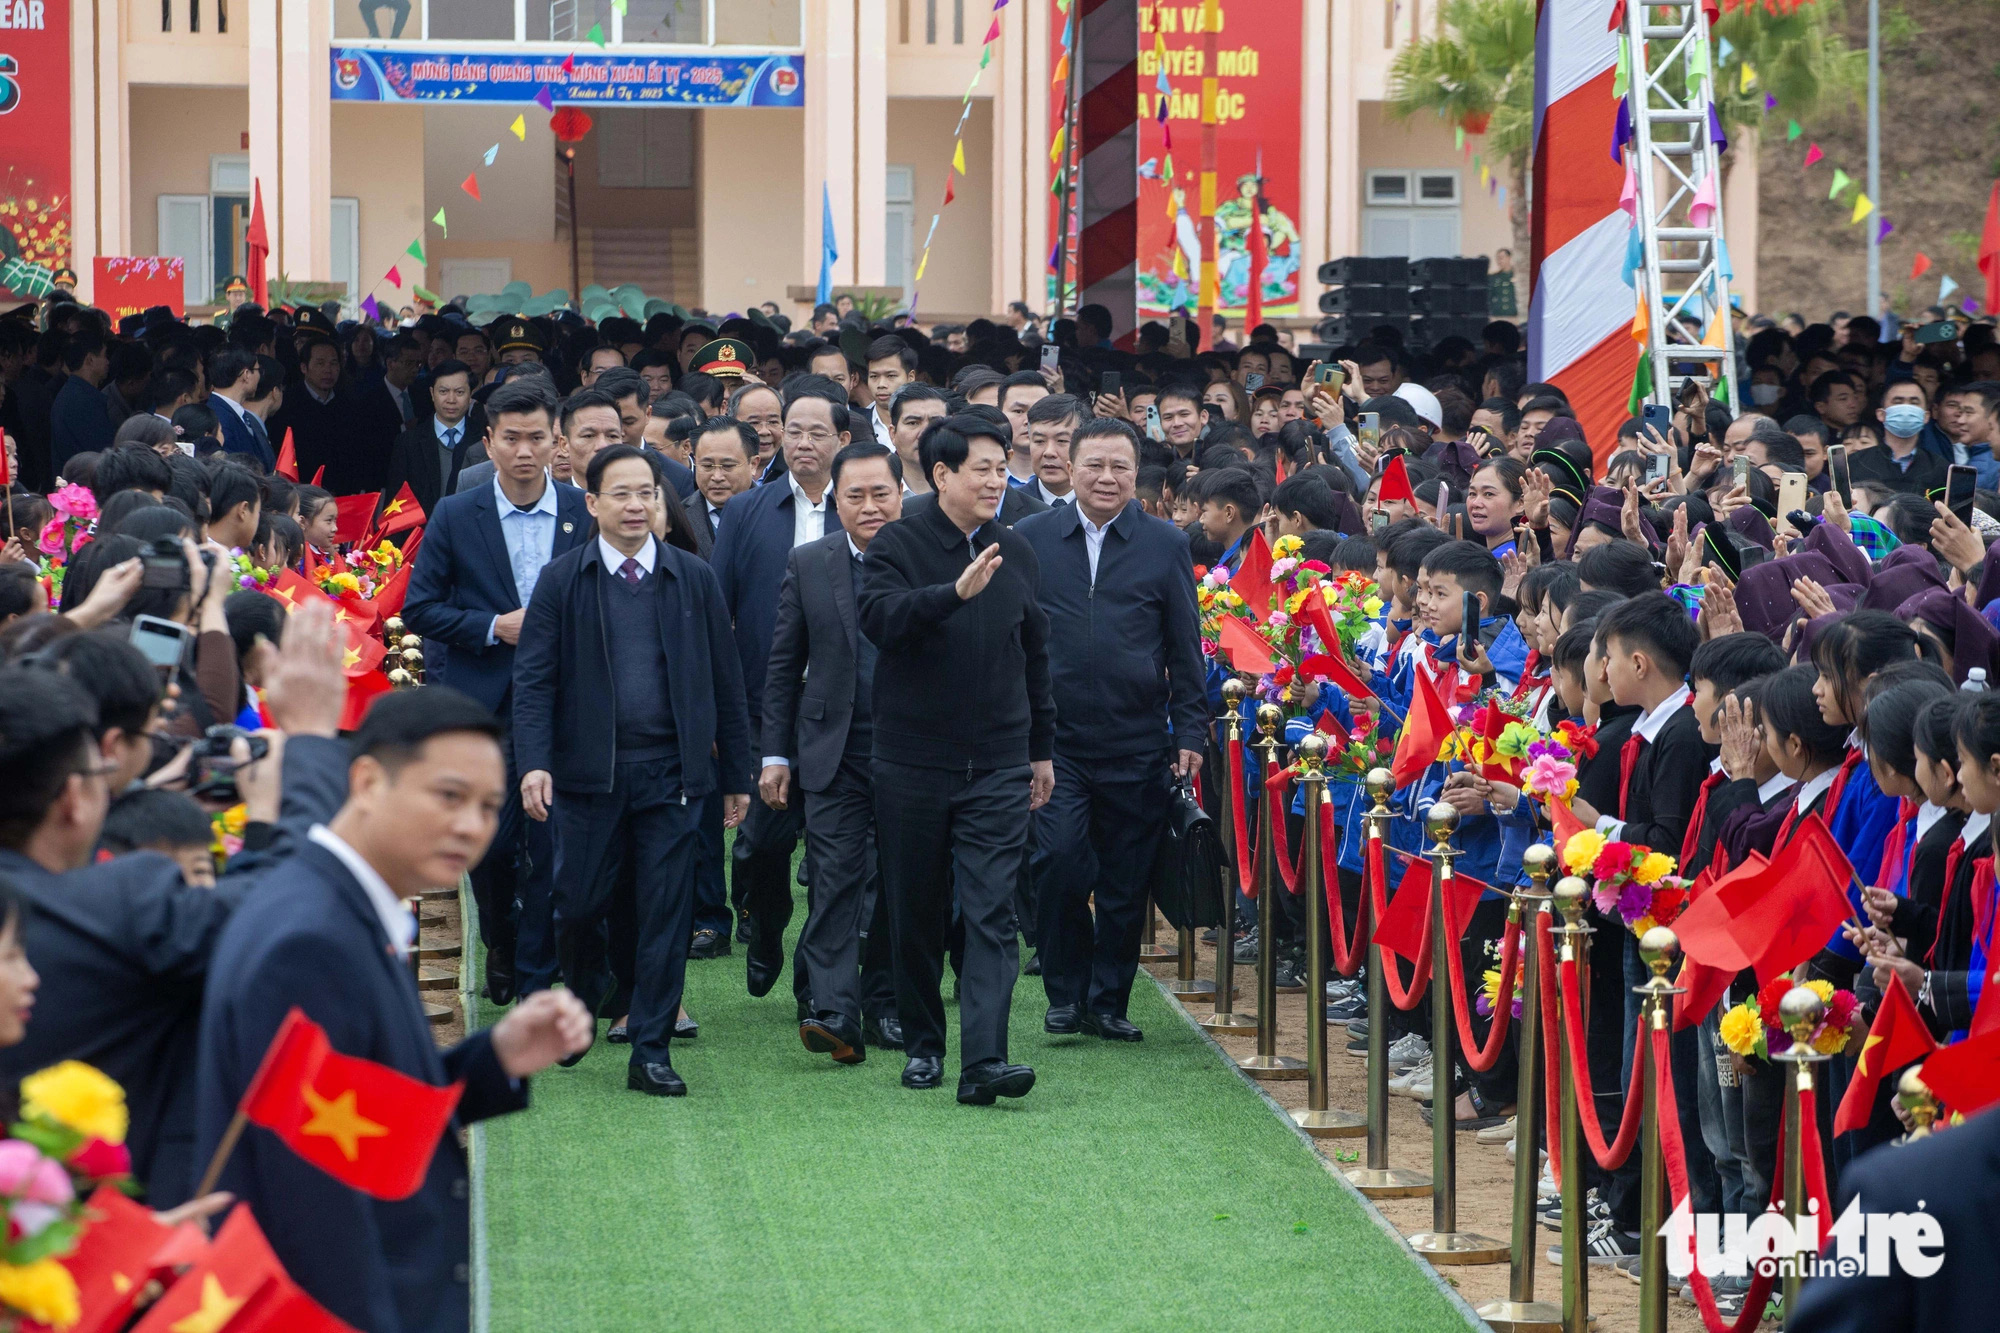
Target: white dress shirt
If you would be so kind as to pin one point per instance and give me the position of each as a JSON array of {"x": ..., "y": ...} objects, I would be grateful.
[
  {"x": 1093, "y": 541},
  {"x": 1810, "y": 789},
  {"x": 397, "y": 923},
  {"x": 1767, "y": 790},
  {"x": 1648, "y": 726},
  {"x": 1050, "y": 498},
  {"x": 808, "y": 519},
  {"x": 614, "y": 559}
]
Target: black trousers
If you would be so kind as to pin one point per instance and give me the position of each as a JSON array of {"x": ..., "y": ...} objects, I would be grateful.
[
  {"x": 1094, "y": 843},
  {"x": 761, "y": 870},
  {"x": 645, "y": 817},
  {"x": 941, "y": 832},
  {"x": 844, "y": 897},
  {"x": 512, "y": 885}
]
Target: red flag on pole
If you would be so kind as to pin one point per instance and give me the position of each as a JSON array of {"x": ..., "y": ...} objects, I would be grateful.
[
  {"x": 1989, "y": 250},
  {"x": 1895, "y": 1038},
  {"x": 1396, "y": 483},
  {"x": 1424, "y": 731},
  {"x": 368, "y": 1126},
  {"x": 319, "y": 474},
  {"x": 288, "y": 459},
  {"x": 1401, "y": 929},
  {"x": 400, "y": 514},
  {"x": 354, "y": 511},
  {"x": 1772, "y": 917},
  {"x": 257, "y": 248},
  {"x": 1253, "y": 300},
  {"x": 1247, "y": 651},
  {"x": 240, "y": 1287},
  {"x": 1252, "y": 579},
  {"x": 122, "y": 1249}
]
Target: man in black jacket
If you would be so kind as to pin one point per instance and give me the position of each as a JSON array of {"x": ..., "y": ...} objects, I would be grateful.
[
  {"x": 1125, "y": 657},
  {"x": 428, "y": 455},
  {"x": 964, "y": 748},
  {"x": 629, "y": 621},
  {"x": 123, "y": 946},
  {"x": 818, "y": 702}
]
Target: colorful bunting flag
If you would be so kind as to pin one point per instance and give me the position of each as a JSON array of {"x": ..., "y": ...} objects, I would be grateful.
[
  {"x": 393, "y": 277},
  {"x": 520, "y": 128},
  {"x": 620, "y": 7},
  {"x": 1458, "y": 132},
  {"x": 1747, "y": 78},
  {"x": 1697, "y": 66},
  {"x": 492, "y": 153},
  {"x": 371, "y": 307},
  {"x": 1793, "y": 130},
  {"x": 1841, "y": 180},
  {"x": 439, "y": 219},
  {"x": 1813, "y": 153},
  {"x": 1919, "y": 266},
  {"x": 1863, "y": 206},
  {"x": 1062, "y": 142},
  {"x": 416, "y": 250},
  {"x": 1946, "y": 286},
  {"x": 546, "y": 101},
  {"x": 1882, "y": 229},
  {"x": 958, "y": 157},
  {"x": 1701, "y": 210},
  {"x": 1724, "y": 50},
  {"x": 596, "y": 34},
  {"x": 1770, "y": 101},
  {"x": 471, "y": 185},
  {"x": 569, "y": 63},
  {"x": 948, "y": 194},
  {"x": 993, "y": 33}
]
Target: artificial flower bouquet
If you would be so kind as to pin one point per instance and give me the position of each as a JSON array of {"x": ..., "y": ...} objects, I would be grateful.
[
  {"x": 1630, "y": 882},
  {"x": 1301, "y": 613},
  {"x": 70, "y": 1139},
  {"x": 1752, "y": 1028},
  {"x": 67, "y": 532}
]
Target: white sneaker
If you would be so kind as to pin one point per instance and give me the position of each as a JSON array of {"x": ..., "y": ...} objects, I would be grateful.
[
  {"x": 1502, "y": 1133},
  {"x": 1406, "y": 1051},
  {"x": 1420, "y": 1086},
  {"x": 1400, "y": 1084}
]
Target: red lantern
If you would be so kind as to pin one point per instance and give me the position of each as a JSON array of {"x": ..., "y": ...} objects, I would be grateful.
[
  {"x": 570, "y": 124},
  {"x": 1475, "y": 122}
]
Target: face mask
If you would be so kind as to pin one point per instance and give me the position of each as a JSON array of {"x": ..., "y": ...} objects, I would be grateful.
[
  {"x": 1765, "y": 394},
  {"x": 1903, "y": 420}
]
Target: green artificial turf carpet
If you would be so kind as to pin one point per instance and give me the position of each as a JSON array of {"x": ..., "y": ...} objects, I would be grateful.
[{"x": 1136, "y": 1187}]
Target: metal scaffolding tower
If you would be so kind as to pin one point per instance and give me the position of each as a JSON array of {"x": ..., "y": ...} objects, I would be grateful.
[{"x": 1683, "y": 279}]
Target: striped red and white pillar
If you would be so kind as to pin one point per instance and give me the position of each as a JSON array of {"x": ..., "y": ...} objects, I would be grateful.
[
  {"x": 1108, "y": 145},
  {"x": 1580, "y": 312}
]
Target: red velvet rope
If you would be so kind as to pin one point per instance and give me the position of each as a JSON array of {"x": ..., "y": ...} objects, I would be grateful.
[
  {"x": 1482, "y": 1057},
  {"x": 1274, "y": 792},
  {"x": 1245, "y": 867},
  {"x": 1672, "y": 1152},
  {"x": 1347, "y": 950},
  {"x": 1612, "y": 1155},
  {"x": 1399, "y": 995},
  {"x": 1545, "y": 979},
  {"x": 1809, "y": 1150}
]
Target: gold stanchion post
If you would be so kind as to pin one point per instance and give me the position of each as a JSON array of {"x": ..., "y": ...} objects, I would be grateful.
[
  {"x": 1376, "y": 1178},
  {"x": 1444, "y": 1243},
  {"x": 1150, "y": 948},
  {"x": 1521, "y": 1312},
  {"x": 1267, "y": 1063},
  {"x": 1657, "y": 947},
  {"x": 1225, "y": 1019},
  {"x": 1314, "y": 1118},
  {"x": 1569, "y": 899},
  {"x": 1798, "y": 1013}
]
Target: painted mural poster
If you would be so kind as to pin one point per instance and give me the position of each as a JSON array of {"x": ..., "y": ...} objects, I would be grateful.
[
  {"x": 1257, "y": 72},
  {"x": 34, "y": 142}
]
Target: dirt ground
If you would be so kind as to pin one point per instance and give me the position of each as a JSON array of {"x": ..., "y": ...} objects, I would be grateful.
[{"x": 1485, "y": 1177}]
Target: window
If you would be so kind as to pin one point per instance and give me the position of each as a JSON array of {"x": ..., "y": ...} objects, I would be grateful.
[
  {"x": 1411, "y": 212},
  {"x": 344, "y": 239},
  {"x": 184, "y": 222},
  {"x": 899, "y": 233},
  {"x": 1437, "y": 188},
  {"x": 649, "y": 148},
  {"x": 1388, "y": 187}
]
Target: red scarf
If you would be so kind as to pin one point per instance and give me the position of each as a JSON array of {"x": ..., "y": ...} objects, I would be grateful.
[
  {"x": 1847, "y": 767},
  {"x": 1951, "y": 860},
  {"x": 1892, "y": 847},
  {"x": 1708, "y": 785}
]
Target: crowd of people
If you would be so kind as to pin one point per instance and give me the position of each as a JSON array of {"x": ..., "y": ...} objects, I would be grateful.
[{"x": 942, "y": 607}]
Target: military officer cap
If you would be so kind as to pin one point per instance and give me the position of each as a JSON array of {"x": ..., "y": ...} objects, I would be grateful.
[
  {"x": 311, "y": 319},
  {"x": 516, "y": 334},
  {"x": 724, "y": 357}
]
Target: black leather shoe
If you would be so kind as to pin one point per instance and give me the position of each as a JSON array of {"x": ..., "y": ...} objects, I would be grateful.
[
  {"x": 658, "y": 1080},
  {"x": 501, "y": 986},
  {"x": 746, "y": 929},
  {"x": 990, "y": 1079},
  {"x": 923, "y": 1071},
  {"x": 762, "y": 967},
  {"x": 708, "y": 944},
  {"x": 828, "y": 1034},
  {"x": 686, "y": 1029},
  {"x": 1062, "y": 1021},
  {"x": 620, "y": 1035},
  {"x": 1034, "y": 967},
  {"x": 1110, "y": 1027},
  {"x": 885, "y": 1033}
]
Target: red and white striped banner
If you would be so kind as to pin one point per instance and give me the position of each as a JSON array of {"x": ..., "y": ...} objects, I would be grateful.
[
  {"x": 1108, "y": 147},
  {"x": 1580, "y": 314}
]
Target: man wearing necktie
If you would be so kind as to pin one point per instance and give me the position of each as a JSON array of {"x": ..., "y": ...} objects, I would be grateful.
[
  {"x": 430, "y": 453},
  {"x": 723, "y": 454},
  {"x": 1051, "y": 423}
]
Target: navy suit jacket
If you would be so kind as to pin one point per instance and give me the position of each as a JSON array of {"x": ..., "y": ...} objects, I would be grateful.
[
  {"x": 237, "y": 437},
  {"x": 463, "y": 579},
  {"x": 1125, "y": 646},
  {"x": 752, "y": 549},
  {"x": 80, "y": 421},
  {"x": 309, "y": 936},
  {"x": 124, "y": 948}
]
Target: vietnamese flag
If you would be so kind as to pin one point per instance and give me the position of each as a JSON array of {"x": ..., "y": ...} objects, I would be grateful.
[
  {"x": 1395, "y": 483},
  {"x": 389, "y": 601},
  {"x": 1330, "y": 667},
  {"x": 239, "y": 1286},
  {"x": 1424, "y": 733},
  {"x": 1896, "y": 1037},
  {"x": 362, "y": 691},
  {"x": 319, "y": 475},
  {"x": 1564, "y": 821},
  {"x": 1401, "y": 929},
  {"x": 295, "y": 589},
  {"x": 122, "y": 1248},
  {"x": 1772, "y": 917},
  {"x": 400, "y": 514},
  {"x": 356, "y": 511},
  {"x": 364, "y": 654},
  {"x": 1247, "y": 651},
  {"x": 368, "y": 1126},
  {"x": 1965, "y": 1075},
  {"x": 288, "y": 459},
  {"x": 1252, "y": 579}
]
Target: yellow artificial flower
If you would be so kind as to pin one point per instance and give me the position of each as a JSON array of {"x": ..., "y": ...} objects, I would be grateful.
[
  {"x": 78, "y": 1097},
  {"x": 1830, "y": 1041},
  {"x": 1655, "y": 867},
  {"x": 1295, "y": 601},
  {"x": 1739, "y": 1030},
  {"x": 1580, "y": 852},
  {"x": 1286, "y": 546},
  {"x": 1823, "y": 989},
  {"x": 235, "y": 819},
  {"x": 44, "y": 1291},
  {"x": 1373, "y": 606}
]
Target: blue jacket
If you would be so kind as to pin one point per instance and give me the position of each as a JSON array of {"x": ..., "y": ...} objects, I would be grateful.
[
  {"x": 79, "y": 422},
  {"x": 1125, "y": 646},
  {"x": 237, "y": 437},
  {"x": 565, "y": 719},
  {"x": 752, "y": 548},
  {"x": 463, "y": 579},
  {"x": 309, "y": 936}
]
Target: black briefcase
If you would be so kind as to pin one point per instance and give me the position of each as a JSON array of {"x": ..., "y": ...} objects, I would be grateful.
[{"x": 1187, "y": 871}]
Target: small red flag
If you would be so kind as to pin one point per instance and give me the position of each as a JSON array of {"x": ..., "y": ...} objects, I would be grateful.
[
  {"x": 121, "y": 1249},
  {"x": 295, "y": 590},
  {"x": 1401, "y": 928},
  {"x": 1965, "y": 1075},
  {"x": 239, "y": 1286},
  {"x": 319, "y": 474},
  {"x": 1919, "y": 266},
  {"x": 1252, "y": 579},
  {"x": 389, "y": 601},
  {"x": 1336, "y": 670},
  {"x": 1337, "y": 736},
  {"x": 364, "y": 653},
  {"x": 400, "y": 514},
  {"x": 368, "y": 1126},
  {"x": 1776, "y": 916},
  {"x": 288, "y": 459},
  {"x": 1247, "y": 651},
  {"x": 355, "y": 512},
  {"x": 1564, "y": 821},
  {"x": 1895, "y": 1038},
  {"x": 1424, "y": 730},
  {"x": 569, "y": 63},
  {"x": 1395, "y": 482},
  {"x": 362, "y": 692},
  {"x": 471, "y": 185},
  {"x": 1989, "y": 249}
]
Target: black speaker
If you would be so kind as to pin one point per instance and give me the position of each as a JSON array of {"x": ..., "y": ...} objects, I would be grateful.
[
  {"x": 1365, "y": 300},
  {"x": 1339, "y": 329},
  {"x": 1374, "y": 269},
  {"x": 1462, "y": 272},
  {"x": 1448, "y": 300}
]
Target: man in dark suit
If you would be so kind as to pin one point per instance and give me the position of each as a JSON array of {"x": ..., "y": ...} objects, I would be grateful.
[
  {"x": 754, "y": 546},
  {"x": 124, "y": 945},
  {"x": 483, "y": 550},
  {"x": 724, "y": 453},
  {"x": 1125, "y": 661},
  {"x": 330, "y": 427},
  {"x": 427, "y": 456},
  {"x": 1018, "y": 503},
  {"x": 80, "y": 421},
  {"x": 629, "y": 622},
  {"x": 232, "y": 380},
  {"x": 964, "y": 743},
  {"x": 818, "y": 704},
  {"x": 331, "y": 936}
]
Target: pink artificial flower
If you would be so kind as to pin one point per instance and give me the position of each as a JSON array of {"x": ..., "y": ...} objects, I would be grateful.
[
  {"x": 75, "y": 501},
  {"x": 51, "y": 540},
  {"x": 98, "y": 1160},
  {"x": 1548, "y": 774},
  {"x": 27, "y": 1176}
]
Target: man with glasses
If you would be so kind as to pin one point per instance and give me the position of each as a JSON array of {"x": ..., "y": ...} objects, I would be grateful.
[
  {"x": 725, "y": 452},
  {"x": 630, "y": 622},
  {"x": 752, "y": 548}
]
